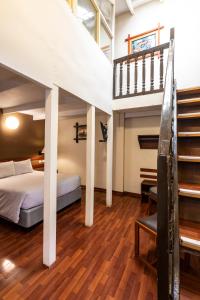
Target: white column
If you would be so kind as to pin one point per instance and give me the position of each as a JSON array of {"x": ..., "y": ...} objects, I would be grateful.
[
  {"x": 90, "y": 166},
  {"x": 109, "y": 165},
  {"x": 50, "y": 176}
]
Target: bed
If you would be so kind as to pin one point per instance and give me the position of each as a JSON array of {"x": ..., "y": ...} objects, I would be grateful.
[{"x": 21, "y": 196}]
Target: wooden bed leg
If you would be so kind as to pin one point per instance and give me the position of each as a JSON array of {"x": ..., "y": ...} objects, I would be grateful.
[{"x": 137, "y": 239}]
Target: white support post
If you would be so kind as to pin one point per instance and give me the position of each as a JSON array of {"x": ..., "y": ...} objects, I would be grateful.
[
  {"x": 50, "y": 176},
  {"x": 109, "y": 165},
  {"x": 90, "y": 166}
]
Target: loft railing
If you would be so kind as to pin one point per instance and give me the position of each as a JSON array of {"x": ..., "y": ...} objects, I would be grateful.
[
  {"x": 140, "y": 73},
  {"x": 168, "y": 227}
]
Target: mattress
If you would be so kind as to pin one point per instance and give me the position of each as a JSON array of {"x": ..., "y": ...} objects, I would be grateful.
[
  {"x": 26, "y": 191},
  {"x": 32, "y": 216}
]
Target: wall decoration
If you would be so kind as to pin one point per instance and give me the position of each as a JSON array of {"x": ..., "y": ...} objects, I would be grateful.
[
  {"x": 144, "y": 41},
  {"x": 148, "y": 141},
  {"x": 81, "y": 132},
  {"x": 104, "y": 131}
]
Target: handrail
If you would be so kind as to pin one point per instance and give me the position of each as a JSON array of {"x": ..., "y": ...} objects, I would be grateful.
[
  {"x": 168, "y": 232},
  {"x": 166, "y": 115},
  {"x": 137, "y": 74},
  {"x": 141, "y": 53}
]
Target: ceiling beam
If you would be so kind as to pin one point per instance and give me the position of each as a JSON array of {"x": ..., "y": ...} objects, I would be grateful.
[
  {"x": 63, "y": 114},
  {"x": 138, "y": 3},
  {"x": 24, "y": 107},
  {"x": 14, "y": 82},
  {"x": 130, "y": 6}
]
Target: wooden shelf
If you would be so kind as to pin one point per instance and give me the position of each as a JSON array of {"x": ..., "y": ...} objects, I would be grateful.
[
  {"x": 189, "y": 115},
  {"x": 189, "y": 243},
  {"x": 188, "y": 101},
  {"x": 189, "y": 190},
  {"x": 148, "y": 141},
  {"x": 189, "y": 134},
  {"x": 188, "y": 158}
]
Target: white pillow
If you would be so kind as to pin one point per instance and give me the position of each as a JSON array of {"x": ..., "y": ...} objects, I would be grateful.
[
  {"x": 7, "y": 169},
  {"x": 23, "y": 167}
]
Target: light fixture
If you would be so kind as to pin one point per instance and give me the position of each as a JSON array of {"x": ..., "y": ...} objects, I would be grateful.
[{"x": 12, "y": 122}]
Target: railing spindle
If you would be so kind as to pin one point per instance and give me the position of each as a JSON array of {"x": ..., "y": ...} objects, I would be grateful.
[
  {"x": 114, "y": 79},
  {"x": 161, "y": 68},
  {"x": 136, "y": 75},
  {"x": 128, "y": 77},
  {"x": 121, "y": 79},
  {"x": 152, "y": 71},
  {"x": 119, "y": 72},
  {"x": 143, "y": 72}
]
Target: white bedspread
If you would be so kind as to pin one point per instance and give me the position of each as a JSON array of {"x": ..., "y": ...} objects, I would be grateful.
[{"x": 27, "y": 191}]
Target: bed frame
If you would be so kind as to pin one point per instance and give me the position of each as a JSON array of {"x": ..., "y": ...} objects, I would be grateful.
[{"x": 32, "y": 216}]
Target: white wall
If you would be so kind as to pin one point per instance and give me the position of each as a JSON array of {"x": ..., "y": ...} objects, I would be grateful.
[
  {"x": 134, "y": 157},
  {"x": 184, "y": 16},
  {"x": 72, "y": 155},
  {"x": 44, "y": 41},
  {"x": 128, "y": 157}
]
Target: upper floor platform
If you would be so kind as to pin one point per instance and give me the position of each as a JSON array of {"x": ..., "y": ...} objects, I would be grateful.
[{"x": 44, "y": 42}]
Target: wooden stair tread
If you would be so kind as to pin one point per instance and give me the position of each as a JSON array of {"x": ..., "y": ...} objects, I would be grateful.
[
  {"x": 189, "y": 115},
  {"x": 190, "y": 235},
  {"x": 188, "y": 158},
  {"x": 189, "y": 243},
  {"x": 189, "y": 134},
  {"x": 191, "y": 190},
  {"x": 188, "y": 101},
  {"x": 188, "y": 91}
]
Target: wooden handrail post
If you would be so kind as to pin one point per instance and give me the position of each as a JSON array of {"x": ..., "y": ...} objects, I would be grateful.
[
  {"x": 172, "y": 33},
  {"x": 168, "y": 230},
  {"x": 114, "y": 80}
]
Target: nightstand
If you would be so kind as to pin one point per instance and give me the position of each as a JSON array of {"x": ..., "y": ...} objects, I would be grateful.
[{"x": 145, "y": 188}]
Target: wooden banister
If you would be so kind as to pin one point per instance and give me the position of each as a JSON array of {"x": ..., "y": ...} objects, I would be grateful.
[
  {"x": 168, "y": 227},
  {"x": 141, "y": 53},
  {"x": 124, "y": 86}
]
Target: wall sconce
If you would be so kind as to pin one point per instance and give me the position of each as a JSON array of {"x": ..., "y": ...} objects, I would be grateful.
[{"x": 12, "y": 122}]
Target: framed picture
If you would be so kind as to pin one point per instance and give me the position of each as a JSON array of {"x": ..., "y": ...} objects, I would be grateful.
[
  {"x": 143, "y": 43},
  {"x": 81, "y": 132}
]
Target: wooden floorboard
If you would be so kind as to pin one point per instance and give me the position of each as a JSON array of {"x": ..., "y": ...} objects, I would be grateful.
[{"x": 92, "y": 263}]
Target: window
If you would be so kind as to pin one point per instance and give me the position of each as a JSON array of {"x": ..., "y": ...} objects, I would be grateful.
[
  {"x": 106, "y": 8},
  {"x": 97, "y": 17},
  {"x": 87, "y": 13},
  {"x": 70, "y": 2},
  {"x": 105, "y": 41}
]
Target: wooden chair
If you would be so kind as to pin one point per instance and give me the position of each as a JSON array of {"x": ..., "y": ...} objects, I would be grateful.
[
  {"x": 189, "y": 246},
  {"x": 149, "y": 177},
  {"x": 153, "y": 199},
  {"x": 149, "y": 225}
]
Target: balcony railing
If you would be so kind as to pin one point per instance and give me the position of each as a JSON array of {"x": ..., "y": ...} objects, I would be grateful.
[{"x": 140, "y": 73}]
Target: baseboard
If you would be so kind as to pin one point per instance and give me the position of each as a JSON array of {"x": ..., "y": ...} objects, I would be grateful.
[
  {"x": 117, "y": 193},
  {"x": 132, "y": 194}
]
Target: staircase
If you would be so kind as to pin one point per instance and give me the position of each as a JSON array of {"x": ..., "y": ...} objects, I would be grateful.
[{"x": 188, "y": 123}]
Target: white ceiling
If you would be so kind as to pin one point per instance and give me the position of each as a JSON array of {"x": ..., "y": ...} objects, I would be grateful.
[
  {"x": 18, "y": 94},
  {"x": 123, "y": 6}
]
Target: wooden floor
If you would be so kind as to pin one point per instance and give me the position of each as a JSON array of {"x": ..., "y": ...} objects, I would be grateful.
[{"x": 92, "y": 263}]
